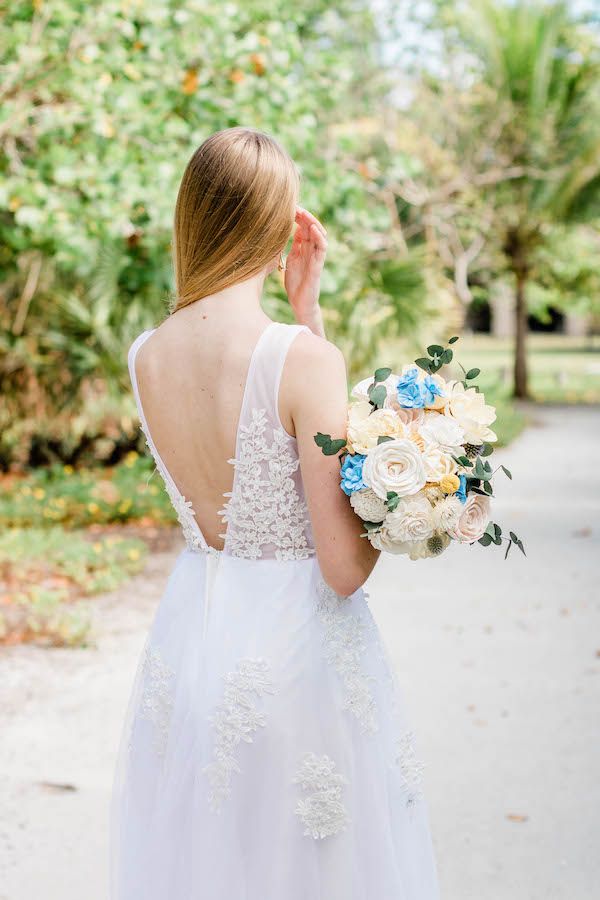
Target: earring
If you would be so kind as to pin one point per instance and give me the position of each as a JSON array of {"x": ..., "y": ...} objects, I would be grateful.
[{"x": 281, "y": 265}]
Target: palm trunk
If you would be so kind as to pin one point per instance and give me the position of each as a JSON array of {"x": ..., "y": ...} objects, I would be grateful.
[{"x": 521, "y": 382}]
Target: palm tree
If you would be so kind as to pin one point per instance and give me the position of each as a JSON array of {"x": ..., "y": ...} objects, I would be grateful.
[{"x": 544, "y": 70}]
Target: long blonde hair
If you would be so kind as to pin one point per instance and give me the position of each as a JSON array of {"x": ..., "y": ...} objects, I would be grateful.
[{"x": 234, "y": 212}]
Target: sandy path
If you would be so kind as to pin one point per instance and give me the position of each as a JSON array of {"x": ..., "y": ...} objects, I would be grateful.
[{"x": 501, "y": 671}]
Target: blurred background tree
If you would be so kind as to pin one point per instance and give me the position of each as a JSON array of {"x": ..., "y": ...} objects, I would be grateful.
[
  {"x": 103, "y": 104},
  {"x": 450, "y": 147}
]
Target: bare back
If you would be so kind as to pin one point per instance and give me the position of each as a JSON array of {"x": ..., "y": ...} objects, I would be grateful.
[{"x": 199, "y": 386}]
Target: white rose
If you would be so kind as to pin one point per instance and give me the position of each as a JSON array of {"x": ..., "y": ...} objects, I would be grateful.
[
  {"x": 366, "y": 426},
  {"x": 437, "y": 463},
  {"x": 394, "y": 466},
  {"x": 446, "y": 514},
  {"x": 469, "y": 409},
  {"x": 473, "y": 519},
  {"x": 445, "y": 431},
  {"x": 368, "y": 506},
  {"x": 411, "y": 520}
]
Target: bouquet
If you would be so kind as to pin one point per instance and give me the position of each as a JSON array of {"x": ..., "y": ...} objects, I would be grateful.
[{"x": 415, "y": 462}]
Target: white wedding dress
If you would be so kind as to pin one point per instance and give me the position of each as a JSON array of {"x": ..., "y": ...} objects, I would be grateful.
[{"x": 265, "y": 752}]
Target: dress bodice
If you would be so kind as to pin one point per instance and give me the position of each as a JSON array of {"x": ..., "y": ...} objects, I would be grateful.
[{"x": 265, "y": 512}]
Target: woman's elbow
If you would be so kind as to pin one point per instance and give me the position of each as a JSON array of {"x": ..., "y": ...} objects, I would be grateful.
[{"x": 344, "y": 582}]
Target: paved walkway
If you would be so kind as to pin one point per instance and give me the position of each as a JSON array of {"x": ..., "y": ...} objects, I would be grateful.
[{"x": 500, "y": 666}]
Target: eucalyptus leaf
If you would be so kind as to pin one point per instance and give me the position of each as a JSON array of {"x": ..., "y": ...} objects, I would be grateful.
[
  {"x": 472, "y": 373},
  {"x": 321, "y": 440},
  {"x": 334, "y": 447},
  {"x": 383, "y": 438},
  {"x": 485, "y": 540},
  {"x": 453, "y": 340},
  {"x": 377, "y": 395},
  {"x": 423, "y": 363},
  {"x": 507, "y": 472},
  {"x": 447, "y": 356},
  {"x": 488, "y": 488},
  {"x": 435, "y": 350},
  {"x": 382, "y": 374},
  {"x": 487, "y": 450}
]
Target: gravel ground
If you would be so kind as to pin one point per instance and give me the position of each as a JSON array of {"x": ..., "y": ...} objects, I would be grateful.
[{"x": 500, "y": 667}]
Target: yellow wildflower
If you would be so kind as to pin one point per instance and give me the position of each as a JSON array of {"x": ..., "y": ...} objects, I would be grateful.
[{"x": 449, "y": 484}]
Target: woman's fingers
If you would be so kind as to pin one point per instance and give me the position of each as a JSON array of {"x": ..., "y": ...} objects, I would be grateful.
[{"x": 305, "y": 218}]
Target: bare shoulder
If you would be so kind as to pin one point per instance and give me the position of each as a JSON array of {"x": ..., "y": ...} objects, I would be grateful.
[
  {"x": 314, "y": 368},
  {"x": 313, "y": 357}
]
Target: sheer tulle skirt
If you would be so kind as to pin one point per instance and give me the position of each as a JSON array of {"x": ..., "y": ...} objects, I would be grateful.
[{"x": 265, "y": 753}]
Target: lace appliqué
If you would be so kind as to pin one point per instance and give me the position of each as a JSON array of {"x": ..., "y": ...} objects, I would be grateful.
[
  {"x": 183, "y": 508},
  {"x": 410, "y": 767},
  {"x": 264, "y": 507},
  {"x": 157, "y": 696},
  {"x": 322, "y": 812},
  {"x": 235, "y": 720},
  {"x": 344, "y": 643}
]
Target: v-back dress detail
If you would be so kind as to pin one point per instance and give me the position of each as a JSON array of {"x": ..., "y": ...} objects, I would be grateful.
[{"x": 265, "y": 753}]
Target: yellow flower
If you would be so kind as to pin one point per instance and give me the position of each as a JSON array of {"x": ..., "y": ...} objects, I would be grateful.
[
  {"x": 131, "y": 458},
  {"x": 68, "y": 470},
  {"x": 133, "y": 553},
  {"x": 93, "y": 507},
  {"x": 449, "y": 484},
  {"x": 39, "y": 493},
  {"x": 124, "y": 506}
]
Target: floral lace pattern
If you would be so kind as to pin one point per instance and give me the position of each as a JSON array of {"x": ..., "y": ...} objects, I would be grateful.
[
  {"x": 410, "y": 767},
  {"x": 322, "y": 811},
  {"x": 264, "y": 508},
  {"x": 344, "y": 643},
  {"x": 235, "y": 720},
  {"x": 183, "y": 508},
  {"x": 157, "y": 696}
]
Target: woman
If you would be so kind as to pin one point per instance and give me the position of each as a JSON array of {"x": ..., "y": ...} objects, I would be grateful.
[{"x": 265, "y": 754}]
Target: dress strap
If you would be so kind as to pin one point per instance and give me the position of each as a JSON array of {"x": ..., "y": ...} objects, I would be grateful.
[{"x": 267, "y": 367}]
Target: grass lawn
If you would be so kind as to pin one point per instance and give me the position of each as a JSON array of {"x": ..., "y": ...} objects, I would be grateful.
[{"x": 561, "y": 369}]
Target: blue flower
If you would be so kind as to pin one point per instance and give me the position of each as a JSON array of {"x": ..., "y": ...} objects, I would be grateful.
[
  {"x": 409, "y": 390},
  {"x": 431, "y": 389},
  {"x": 352, "y": 473},
  {"x": 414, "y": 393},
  {"x": 462, "y": 490}
]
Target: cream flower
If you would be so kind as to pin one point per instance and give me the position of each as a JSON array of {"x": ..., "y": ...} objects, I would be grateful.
[
  {"x": 433, "y": 493},
  {"x": 411, "y": 520},
  {"x": 412, "y": 418},
  {"x": 444, "y": 431},
  {"x": 446, "y": 514},
  {"x": 366, "y": 426},
  {"x": 368, "y": 506},
  {"x": 394, "y": 466},
  {"x": 437, "y": 463},
  {"x": 469, "y": 409},
  {"x": 473, "y": 519}
]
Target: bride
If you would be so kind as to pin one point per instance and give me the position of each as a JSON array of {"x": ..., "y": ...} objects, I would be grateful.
[{"x": 265, "y": 753}]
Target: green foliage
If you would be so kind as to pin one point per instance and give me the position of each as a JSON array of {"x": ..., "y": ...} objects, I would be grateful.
[
  {"x": 47, "y": 572},
  {"x": 77, "y": 498},
  {"x": 103, "y": 104}
]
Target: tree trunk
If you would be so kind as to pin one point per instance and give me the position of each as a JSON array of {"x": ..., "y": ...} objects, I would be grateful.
[{"x": 521, "y": 383}]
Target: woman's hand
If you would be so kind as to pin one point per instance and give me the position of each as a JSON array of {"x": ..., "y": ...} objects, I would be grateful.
[{"x": 304, "y": 265}]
